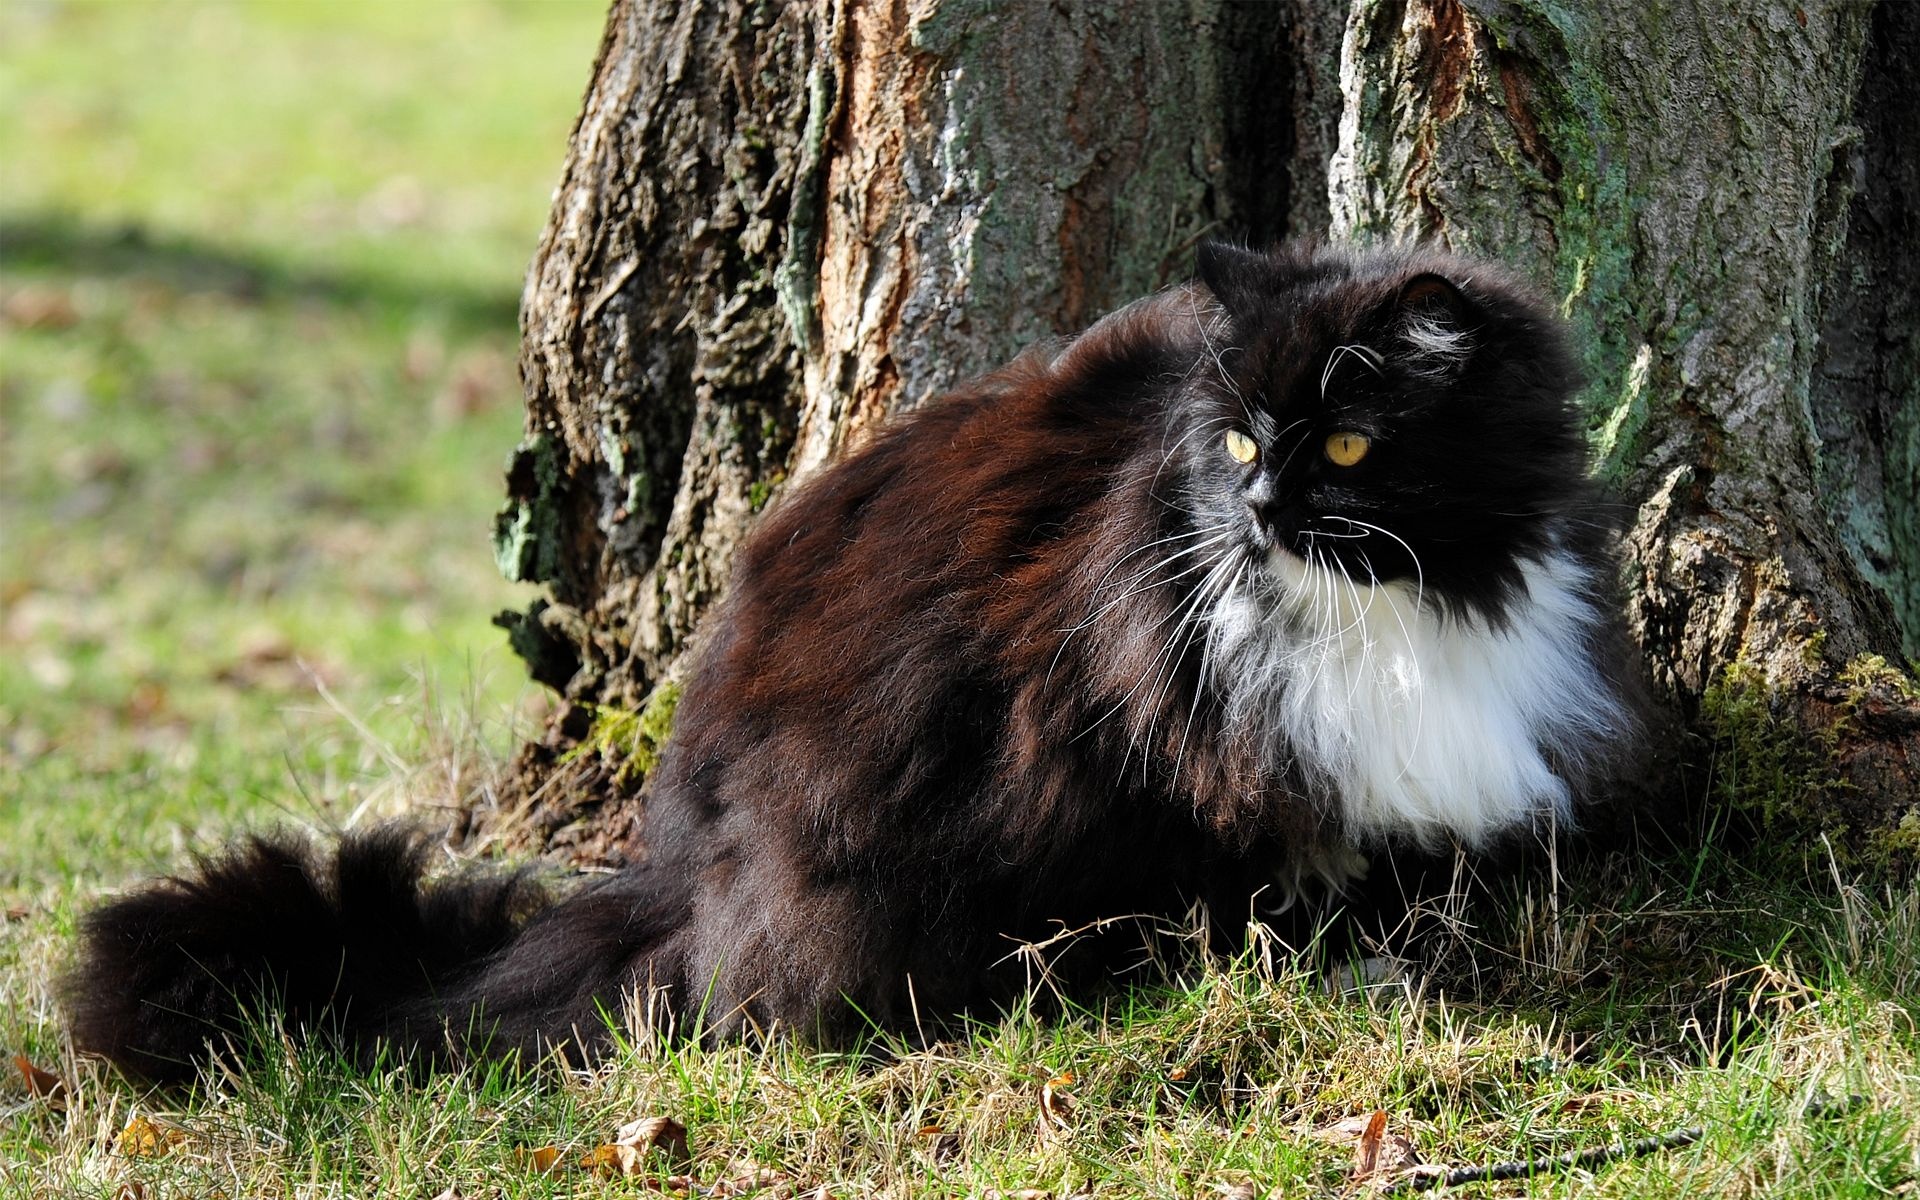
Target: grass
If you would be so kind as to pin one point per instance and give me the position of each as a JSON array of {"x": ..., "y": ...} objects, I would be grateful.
[{"x": 260, "y": 265}]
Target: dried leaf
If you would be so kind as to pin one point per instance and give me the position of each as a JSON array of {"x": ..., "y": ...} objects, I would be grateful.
[
  {"x": 663, "y": 1134},
  {"x": 452, "y": 1193},
  {"x": 39, "y": 308},
  {"x": 132, "y": 1189},
  {"x": 44, "y": 1084},
  {"x": 1056, "y": 1104},
  {"x": 543, "y": 1160},
  {"x": 145, "y": 1138},
  {"x": 1240, "y": 1191},
  {"x": 1343, "y": 1131},
  {"x": 1378, "y": 1153},
  {"x": 615, "y": 1161},
  {"x": 1366, "y": 1155},
  {"x": 942, "y": 1145},
  {"x": 18, "y": 912}
]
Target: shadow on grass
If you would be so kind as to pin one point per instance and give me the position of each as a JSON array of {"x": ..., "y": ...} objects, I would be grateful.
[{"x": 132, "y": 251}]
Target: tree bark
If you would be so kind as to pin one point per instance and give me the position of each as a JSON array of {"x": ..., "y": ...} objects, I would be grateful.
[
  {"x": 1693, "y": 179},
  {"x": 779, "y": 223}
]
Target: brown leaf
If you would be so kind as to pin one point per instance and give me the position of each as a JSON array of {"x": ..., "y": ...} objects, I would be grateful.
[
  {"x": 38, "y": 308},
  {"x": 1379, "y": 1153},
  {"x": 132, "y": 1189},
  {"x": 18, "y": 912},
  {"x": 1343, "y": 1131},
  {"x": 615, "y": 1161},
  {"x": 452, "y": 1193},
  {"x": 146, "y": 1138},
  {"x": 1056, "y": 1104},
  {"x": 44, "y": 1084},
  {"x": 543, "y": 1160},
  {"x": 1366, "y": 1154},
  {"x": 663, "y": 1134}
]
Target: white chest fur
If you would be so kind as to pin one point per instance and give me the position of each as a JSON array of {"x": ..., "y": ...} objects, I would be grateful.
[{"x": 1418, "y": 725}]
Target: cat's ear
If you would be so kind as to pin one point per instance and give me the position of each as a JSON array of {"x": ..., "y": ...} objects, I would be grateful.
[
  {"x": 1436, "y": 320},
  {"x": 1434, "y": 297},
  {"x": 1232, "y": 273}
]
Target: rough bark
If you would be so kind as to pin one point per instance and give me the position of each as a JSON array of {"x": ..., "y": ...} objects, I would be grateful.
[
  {"x": 779, "y": 223},
  {"x": 1686, "y": 177}
]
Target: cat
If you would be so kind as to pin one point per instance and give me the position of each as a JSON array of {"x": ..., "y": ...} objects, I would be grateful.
[{"x": 1291, "y": 565}]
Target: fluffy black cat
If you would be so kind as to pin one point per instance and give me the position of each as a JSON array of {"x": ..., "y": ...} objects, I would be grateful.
[{"x": 1271, "y": 571}]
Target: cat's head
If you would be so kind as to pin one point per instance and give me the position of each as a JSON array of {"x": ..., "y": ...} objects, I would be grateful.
[{"x": 1400, "y": 415}]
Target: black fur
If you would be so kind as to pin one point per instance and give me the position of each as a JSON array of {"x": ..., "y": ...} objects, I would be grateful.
[{"x": 956, "y": 699}]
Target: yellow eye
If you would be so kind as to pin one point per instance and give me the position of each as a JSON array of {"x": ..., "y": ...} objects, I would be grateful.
[
  {"x": 1241, "y": 446},
  {"x": 1346, "y": 449}
]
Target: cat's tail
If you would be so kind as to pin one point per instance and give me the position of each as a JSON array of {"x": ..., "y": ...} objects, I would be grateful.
[{"x": 358, "y": 946}]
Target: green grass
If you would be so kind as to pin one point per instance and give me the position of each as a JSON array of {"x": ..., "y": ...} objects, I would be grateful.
[{"x": 256, "y": 387}]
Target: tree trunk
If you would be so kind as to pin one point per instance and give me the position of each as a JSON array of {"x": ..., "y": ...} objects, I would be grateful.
[{"x": 780, "y": 223}]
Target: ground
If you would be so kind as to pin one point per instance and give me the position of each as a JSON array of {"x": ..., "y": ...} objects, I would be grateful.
[{"x": 256, "y": 390}]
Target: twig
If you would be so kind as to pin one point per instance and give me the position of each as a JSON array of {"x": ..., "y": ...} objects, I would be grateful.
[{"x": 1423, "y": 1178}]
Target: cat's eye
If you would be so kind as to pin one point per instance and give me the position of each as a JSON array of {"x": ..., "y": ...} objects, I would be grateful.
[
  {"x": 1346, "y": 449},
  {"x": 1242, "y": 447}
]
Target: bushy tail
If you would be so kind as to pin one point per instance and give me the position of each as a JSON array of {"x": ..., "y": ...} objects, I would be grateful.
[{"x": 357, "y": 945}]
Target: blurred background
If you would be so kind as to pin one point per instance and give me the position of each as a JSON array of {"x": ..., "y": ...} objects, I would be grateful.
[{"x": 259, "y": 266}]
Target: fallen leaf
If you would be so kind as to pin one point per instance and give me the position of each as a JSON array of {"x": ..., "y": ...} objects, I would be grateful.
[
  {"x": 452, "y": 1193},
  {"x": 1377, "y": 1152},
  {"x": 146, "y": 1138},
  {"x": 44, "y": 1084},
  {"x": 542, "y": 1160},
  {"x": 664, "y": 1134},
  {"x": 132, "y": 1189},
  {"x": 38, "y": 308},
  {"x": 942, "y": 1144},
  {"x": 18, "y": 912},
  {"x": 1056, "y": 1104},
  {"x": 1343, "y": 1131},
  {"x": 1239, "y": 1191},
  {"x": 615, "y": 1161},
  {"x": 1366, "y": 1153}
]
